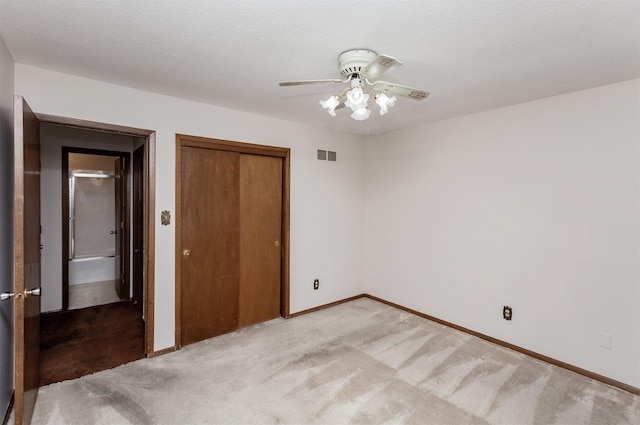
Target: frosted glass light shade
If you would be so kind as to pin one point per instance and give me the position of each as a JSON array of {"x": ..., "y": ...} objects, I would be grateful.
[
  {"x": 384, "y": 102},
  {"x": 356, "y": 99},
  {"x": 361, "y": 114},
  {"x": 330, "y": 105}
]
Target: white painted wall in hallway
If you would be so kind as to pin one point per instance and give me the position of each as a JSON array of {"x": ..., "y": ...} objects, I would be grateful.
[{"x": 52, "y": 139}]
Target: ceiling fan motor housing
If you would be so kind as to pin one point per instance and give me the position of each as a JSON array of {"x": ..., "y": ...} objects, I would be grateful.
[{"x": 354, "y": 61}]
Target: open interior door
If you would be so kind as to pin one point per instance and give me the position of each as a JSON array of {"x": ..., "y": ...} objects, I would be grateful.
[{"x": 27, "y": 259}]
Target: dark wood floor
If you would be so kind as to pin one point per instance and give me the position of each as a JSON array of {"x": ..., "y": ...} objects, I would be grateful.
[{"x": 80, "y": 342}]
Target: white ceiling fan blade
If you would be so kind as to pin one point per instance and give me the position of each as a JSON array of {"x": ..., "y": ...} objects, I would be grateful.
[
  {"x": 400, "y": 90},
  {"x": 305, "y": 82},
  {"x": 380, "y": 65}
]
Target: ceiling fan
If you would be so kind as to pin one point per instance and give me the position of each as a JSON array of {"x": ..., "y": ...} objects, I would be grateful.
[{"x": 359, "y": 67}]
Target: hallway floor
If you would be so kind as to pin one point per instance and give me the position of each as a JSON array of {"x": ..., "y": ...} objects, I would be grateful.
[{"x": 80, "y": 342}]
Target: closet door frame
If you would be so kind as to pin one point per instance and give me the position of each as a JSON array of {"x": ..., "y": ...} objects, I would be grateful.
[{"x": 245, "y": 148}]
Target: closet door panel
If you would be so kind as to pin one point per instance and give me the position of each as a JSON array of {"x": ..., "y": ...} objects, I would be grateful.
[
  {"x": 260, "y": 238},
  {"x": 210, "y": 263}
]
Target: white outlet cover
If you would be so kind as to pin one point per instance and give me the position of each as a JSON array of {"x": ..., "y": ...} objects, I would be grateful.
[{"x": 606, "y": 340}]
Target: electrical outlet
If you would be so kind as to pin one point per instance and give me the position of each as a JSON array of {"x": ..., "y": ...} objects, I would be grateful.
[
  {"x": 316, "y": 284},
  {"x": 507, "y": 312},
  {"x": 606, "y": 340}
]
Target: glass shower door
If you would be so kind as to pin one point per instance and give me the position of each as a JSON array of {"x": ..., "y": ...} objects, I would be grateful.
[{"x": 92, "y": 216}]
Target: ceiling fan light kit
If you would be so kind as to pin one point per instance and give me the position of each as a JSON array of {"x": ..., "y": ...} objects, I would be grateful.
[{"x": 359, "y": 66}]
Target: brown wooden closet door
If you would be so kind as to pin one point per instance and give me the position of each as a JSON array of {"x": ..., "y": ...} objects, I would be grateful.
[
  {"x": 210, "y": 266},
  {"x": 260, "y": 238}
]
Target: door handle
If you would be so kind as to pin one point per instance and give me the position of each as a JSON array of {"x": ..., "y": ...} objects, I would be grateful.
[
  {"x": 35, "y": 292},
  {"x": 113, "y": 232},
  {"x": 186, "y": 252},
  {"x": 31, "y": 292},
  {"x": 7, "y": 295}
]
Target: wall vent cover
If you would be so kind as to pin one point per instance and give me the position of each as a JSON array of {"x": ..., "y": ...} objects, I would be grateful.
[
  {"x": 322, "y": 155},
  {"x": 332, "y": 156}
]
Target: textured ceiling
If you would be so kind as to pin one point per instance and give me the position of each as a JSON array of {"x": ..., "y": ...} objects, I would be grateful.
[{"x": 471, "y": 55}]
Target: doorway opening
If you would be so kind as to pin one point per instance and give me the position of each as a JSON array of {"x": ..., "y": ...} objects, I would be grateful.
[
  {"x": 97, "y": 299},
  {"x": 96, "y": 223}
]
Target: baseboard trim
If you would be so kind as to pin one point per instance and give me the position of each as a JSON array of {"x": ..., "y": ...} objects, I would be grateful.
[
  {"x": 7, "y": 412},
  {"x": 322, "y": 307},
  {"x": 542, "y": 357},
  {"x": 163, "y": 351}
]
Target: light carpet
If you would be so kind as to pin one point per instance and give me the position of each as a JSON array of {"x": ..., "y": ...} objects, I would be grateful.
[{"x": 361, "y": 362}]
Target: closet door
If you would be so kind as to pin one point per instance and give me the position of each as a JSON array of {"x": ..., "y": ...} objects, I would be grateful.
[
  {"x": 260, "y": 238},
  {"x": 210, "y": 263},
  {"x": 230, "y": 241}
]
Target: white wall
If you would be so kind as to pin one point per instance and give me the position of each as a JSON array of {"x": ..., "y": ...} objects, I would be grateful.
[
  {"x": 327, "y": 200},
  {"x": 6, "y": 224},
  {"x": 535, "y": 206},
  {"x": 52, "y": 138}
]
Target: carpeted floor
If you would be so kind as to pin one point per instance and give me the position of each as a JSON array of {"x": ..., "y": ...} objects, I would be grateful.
[
  {"x": 356, "y": 363},
  {"x": 75, "y": 343}
]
